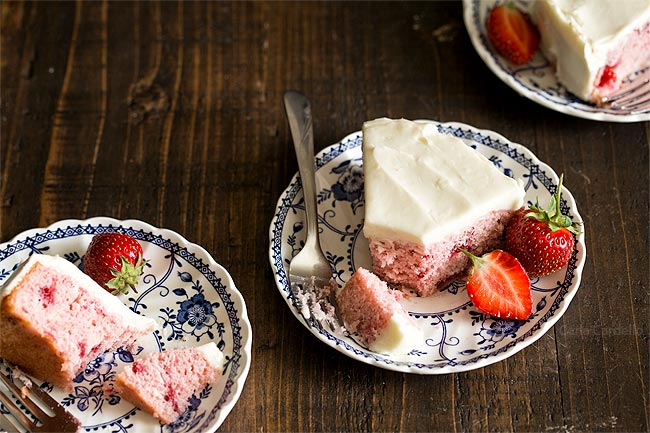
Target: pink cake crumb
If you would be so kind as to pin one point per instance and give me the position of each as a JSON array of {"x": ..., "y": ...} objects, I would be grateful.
[
  {"x": 632, "y": 56},
  {"x": 368, "y": 306},
  {"x": 162, "y": 383},
  {"x": 427, "y": 269}
]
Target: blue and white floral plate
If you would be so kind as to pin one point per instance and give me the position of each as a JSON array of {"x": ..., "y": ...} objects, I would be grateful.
[
  {"x": 536, "y": 79},
  {"x": 457, "y": 336},
  {"x": 193, "y": 299}
]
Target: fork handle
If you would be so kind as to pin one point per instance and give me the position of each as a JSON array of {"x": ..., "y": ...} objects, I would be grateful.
[{"x": 298, "y": 110}]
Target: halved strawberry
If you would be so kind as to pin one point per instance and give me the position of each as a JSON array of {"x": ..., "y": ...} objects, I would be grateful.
[
  {"x": 114, "y": 261},
  {"x": 512, "y": 33},
  {"x": 542, "y": 239},
  {"x": 499, "y": 286}
]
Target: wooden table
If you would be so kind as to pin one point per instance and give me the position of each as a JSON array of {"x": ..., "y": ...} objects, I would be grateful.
[{"x": 171, "y": 113}]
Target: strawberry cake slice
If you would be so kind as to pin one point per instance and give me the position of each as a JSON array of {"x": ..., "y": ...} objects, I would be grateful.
[
  {"x": 596, "y": 44},
  {"x": 163, "y": 382},
  {"x": 427, "y": 195},
  {"x": 54, "y": 319},
  {"x": 372, "y": 310}
]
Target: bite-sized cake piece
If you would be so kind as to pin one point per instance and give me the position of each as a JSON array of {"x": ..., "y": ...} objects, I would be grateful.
[
  {"x": 54, "y": 319},
  {"x": 594, "y": 44},
  {"x": 427, "y": 195},
  {"x": 371, "y": 309},
  {"x": 163, "y": 382}
]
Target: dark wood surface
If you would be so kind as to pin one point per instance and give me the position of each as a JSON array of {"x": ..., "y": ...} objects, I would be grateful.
[{"x": 171, "y": 113}]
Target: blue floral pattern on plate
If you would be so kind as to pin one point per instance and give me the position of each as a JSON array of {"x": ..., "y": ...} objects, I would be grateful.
[
  {"x": 536, "y": 79},
  {"x": 193, "y": 299},
  {"x": 457, "y": 337}
]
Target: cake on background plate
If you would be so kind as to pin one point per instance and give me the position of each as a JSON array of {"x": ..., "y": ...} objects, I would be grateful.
[
  {"x": 372, "y": 310},
  {"x": 594, "y": 44},
  {"x": 163, "y": 382},
  {"x": 54, "y": 319},
  {"x": 427, "y": 195}
]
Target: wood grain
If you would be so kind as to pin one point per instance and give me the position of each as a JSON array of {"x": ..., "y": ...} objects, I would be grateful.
[{"x": 170, "y": 112}]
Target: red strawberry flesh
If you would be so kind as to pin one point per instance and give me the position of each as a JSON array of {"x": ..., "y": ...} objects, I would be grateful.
[
  {"x": 512, "y": 33},
  {"x": 499, "y": 286}
]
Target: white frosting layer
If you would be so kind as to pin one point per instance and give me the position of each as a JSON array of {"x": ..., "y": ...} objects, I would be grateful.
[
  {"x": 399, "y": 337},
  {"x": 421, "y": 186},
  {"x": 212, "y": 354},
  {"x": 578, "y": 35},
  {"x": 62, "y": 266}
]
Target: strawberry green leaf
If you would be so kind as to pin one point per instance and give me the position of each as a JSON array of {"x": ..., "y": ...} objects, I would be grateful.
[
  {"x": 127, "y": 277},
  {"x": 553, "y": 207},
  {"x": 564, "y": 221},
  {"x": 553, "y": 215}
]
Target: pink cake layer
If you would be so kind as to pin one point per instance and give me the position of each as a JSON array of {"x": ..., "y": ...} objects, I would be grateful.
[
  {"x": 632, "y": 56},
  {"x": 52, "y": 326},
  {"x": 163, "y": 382},
  {"x": 426, "y": 269},
  {"x": 366, "y": 305}
]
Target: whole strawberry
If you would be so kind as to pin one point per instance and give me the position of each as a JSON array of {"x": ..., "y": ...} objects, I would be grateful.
[
  {"x": 542, "y": 239},
  {"x": 499, "y": 286},
  {"x": 114, "y": 261}
]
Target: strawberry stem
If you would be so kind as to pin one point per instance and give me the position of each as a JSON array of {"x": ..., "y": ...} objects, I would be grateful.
[
  {"x": 476, "y": 261},
  {"x": 553, "y": 216},
  {"x": 558, "y": 196},
  {"x": 127, "y": 277}
]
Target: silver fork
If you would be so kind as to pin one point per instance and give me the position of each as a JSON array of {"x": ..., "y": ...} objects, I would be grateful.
[
  {"x": 59, "y": 421},
  {"x": 310, "y": 273},
  {"x": 634, "y": 95}
]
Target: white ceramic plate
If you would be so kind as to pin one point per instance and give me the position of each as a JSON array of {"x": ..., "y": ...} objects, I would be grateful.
[
  {"x": 193, "y": 299},
  {"x": 535, "y": 80},
  {"x": 457, "y": 336}
]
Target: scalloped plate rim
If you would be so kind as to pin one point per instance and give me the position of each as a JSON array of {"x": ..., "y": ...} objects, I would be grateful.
[
  {"x": 246, "y": 328},
  {"x": 488, "y": 56},
  {"x": 386, "y": 363}
]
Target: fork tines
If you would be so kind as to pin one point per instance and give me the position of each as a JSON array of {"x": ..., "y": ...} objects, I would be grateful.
[
  {"x": 61, "y": 420},
  {"x": 635, "y": 97},
  {"x": 315, "y": 301}
]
